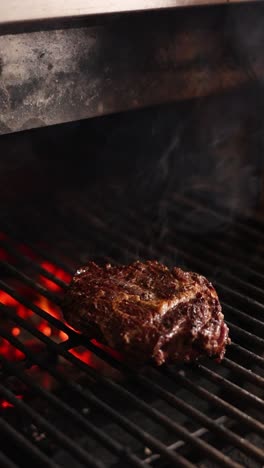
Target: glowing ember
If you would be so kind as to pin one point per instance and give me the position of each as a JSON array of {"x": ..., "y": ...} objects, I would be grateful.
[
  {"x": 84, "y": 355},
  {"x": 11, "y": 353},
  {"x": 21, "y": 310},
  {"x": 44, "y": 326},
  {"x": 6, "y": 404},
  {"x": 8, "y": 300},
  {"x": 45, "y": 304},
  {"x": 45, "y": 329},
  {"x": 63, "y": 336},
  {"x": 110, "y": 351},
  {"x": 57, "y": 272}
]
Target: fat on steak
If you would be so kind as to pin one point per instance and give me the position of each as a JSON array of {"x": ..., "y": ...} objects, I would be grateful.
[{"x": 147, "y": 311}]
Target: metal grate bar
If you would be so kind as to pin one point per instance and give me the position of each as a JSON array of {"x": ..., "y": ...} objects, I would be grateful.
[
  {"x": 45, "y": 292},
  {"x": 244, "y": 317},
  {"x": 129, "y": 220},
  {"x": 248, "y": 354},
  {"x": 128, "y": 215},
  {"x": 61, "y": 283},
  {"x": 250, "y": 376},
  {"x": 254, "y": 224},
  {"x": 224, "y": 432},
  {"x": 153, "y": 413},
  {"x": 234, "y": 250},
  {"x": 33, "y": 264},
  {"x": 234, "y": 310},
  {"x": 57, "y": 435},
  {"x": 180, "y": 443},
  {"x": 248, "y": 335},
  {"x": 246, "y": 324},
  {"x": 210, "y": 252},
  {"x": 104, "y": 438},
  {"x": 251, "y": 337},
  {"x": 219, "y": 283},
  {"x": 181, "y": 405},
  {"x": 187, "y": 409},
  {"x": 231, "y": 410},
  {"x": 124, "y": 240},
  {"x": 226, "y": 243},
  {"x": 248, "y": 448},
  {"x": 11, "y": 233},
  {"x": 202, "y": 392},
  {"x": 235, "y": 389},
  {"x": 245, "y": 229},
  {"x": 216, "y": 245},
  {"x": 207, "y": 449},
  {"x": 46, "y": 316},
  {"x": 201, "y": 264},
  {"x": 6, "y": 462},
  {"x": 208, "y": 263},
  {"x": 29, "y": 282},
  {"x": 255, "y": 221},
  {"x": 242, "y": 299},
  {"x": 20, "y": 441},
  {"x": 60, "y": 325},
  {"x": 124, "y": 422}
]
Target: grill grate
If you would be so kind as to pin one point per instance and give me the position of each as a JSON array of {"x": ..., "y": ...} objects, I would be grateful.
[{"x": 107, "y": 415}]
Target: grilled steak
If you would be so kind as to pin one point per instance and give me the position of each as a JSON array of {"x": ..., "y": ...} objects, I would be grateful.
[{"x": 147, "y": 311}]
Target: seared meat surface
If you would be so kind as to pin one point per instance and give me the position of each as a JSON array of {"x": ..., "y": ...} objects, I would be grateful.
[{"x": 147, "y": 311}]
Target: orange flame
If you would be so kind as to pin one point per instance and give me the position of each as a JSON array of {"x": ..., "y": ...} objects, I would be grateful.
[
  {"x": 44, "y": 326},
  {"x": 57, "y": 272}
]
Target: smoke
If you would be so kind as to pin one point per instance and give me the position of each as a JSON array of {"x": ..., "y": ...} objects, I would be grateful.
[{"x": 132, "y": 171}]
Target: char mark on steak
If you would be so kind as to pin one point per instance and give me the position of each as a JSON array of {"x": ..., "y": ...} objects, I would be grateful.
[{"x": 148, "y": 311}]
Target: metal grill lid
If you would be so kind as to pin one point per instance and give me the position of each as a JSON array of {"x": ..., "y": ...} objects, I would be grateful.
[{"x": 31, "y": 10}]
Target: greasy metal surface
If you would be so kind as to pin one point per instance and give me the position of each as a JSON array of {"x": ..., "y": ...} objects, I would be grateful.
[
  {"x": 47, "y": 9},
  {"x": 54, "y": 76}
]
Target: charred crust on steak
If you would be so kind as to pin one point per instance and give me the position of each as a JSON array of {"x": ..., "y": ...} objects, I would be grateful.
[{"x": 148, "y": 311}]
